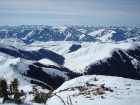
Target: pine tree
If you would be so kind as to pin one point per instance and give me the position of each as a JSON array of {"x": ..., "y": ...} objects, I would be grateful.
[
  {"x": 37, "y": 98},
  {"x": 41, "y": 97},
  {"x": 11, "y": 89},
  {"x": 14, "y": 90},
  {"x": 14, "y": 85},
  {"x": 36, "y": 94},
  {"x": 3, "y": 88}
]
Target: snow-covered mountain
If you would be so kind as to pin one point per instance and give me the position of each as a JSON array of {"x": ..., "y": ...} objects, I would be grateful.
[
  {"x": 30, "y": 34},
  {"x": 51, "y": 55},
  {"x": 48, "y": 74},
  {"x": 32, "y": 55},
  {"x": 118, "y": 59},
  {"x": 114, "y": 59},
  {"x": 108, "y": 47}
]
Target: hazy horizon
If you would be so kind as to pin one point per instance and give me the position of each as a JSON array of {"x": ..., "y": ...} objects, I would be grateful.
[{"x": 70, "y": 12}]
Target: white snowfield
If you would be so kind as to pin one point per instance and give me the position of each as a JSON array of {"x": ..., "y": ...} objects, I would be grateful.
[
  {"x": 12, "y": 41},
  {"x": 89, "y": 53},
  {"x": 96, "y": 33},
  {"x": 47, "y": 62},
  {"x": 107, "y": 36},
  {"x": 60, "y": 28},
  {"x": 11, "y": 68},
  {"x": 77, "y": 61},
  {"x": 92, "y": 52},
  {"x": 97, "y": 90},
  {"x": 29, "y": 35}
]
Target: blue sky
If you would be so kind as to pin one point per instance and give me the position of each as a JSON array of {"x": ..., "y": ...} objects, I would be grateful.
[{"x": 70, "y": 12}]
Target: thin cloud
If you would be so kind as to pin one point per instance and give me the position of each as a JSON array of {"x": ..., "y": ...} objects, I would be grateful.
[{"x": 117, "y": 10}]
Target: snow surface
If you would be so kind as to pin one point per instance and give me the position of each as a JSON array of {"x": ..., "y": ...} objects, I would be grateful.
[
  {"x": 11, "y": 68},
  {"x": 92, "y": 52},
  {"x": 82, "y": 31},
  {"x": 125, "y": 91},
  {"x": 47, "y": 62},
  {"x": 96, "y": 33},
  {"x": 29, "y": 35},
  {"x": 89, "y": 53},
  {"x": 60, "y": 28},
  {"x": 12, "y": 41},
  {"x": 55, "y": 73},
  {"x": 1, "y": 100},
  {"x": 81, "y": 36},
  {"x": 69, "y": 34},
  {"x": 107, "y": 36},
  {"x": 8, "y": 47}
]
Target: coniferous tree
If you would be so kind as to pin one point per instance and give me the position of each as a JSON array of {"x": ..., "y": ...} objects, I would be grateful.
[
  {"x": 14, "y": 90},
  {"x": 14, "y": 85},
  {"x": 36, "y": 94},
  {"x": 3, "y": 88},
  {"x": 11, "y": 91},
  {"x": 41, "y": 97}
]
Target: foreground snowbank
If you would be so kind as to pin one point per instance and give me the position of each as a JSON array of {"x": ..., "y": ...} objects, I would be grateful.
[{"x": 97, "y": 90}]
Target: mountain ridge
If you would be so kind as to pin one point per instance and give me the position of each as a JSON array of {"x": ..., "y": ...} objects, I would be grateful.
[{"x": 30, "y": 34}]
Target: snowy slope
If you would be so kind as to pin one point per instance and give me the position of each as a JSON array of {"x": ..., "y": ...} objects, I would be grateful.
[
  {"x": 12, "y": 41},
  {"x": 89, "y": 52},
  {"x": 92, "y": 52},
  {"x": 96, "y": 33},
  {"x": 60, "y": 47},
  {"x": 13, "y": 68},
  {"x": 107, "y": 36},
  {"x": 48, "y": 62},
  {"x": 31, "y": 55},
  {"x": 117, "y": 59},
  {"x": 43, "y": 71},
  {"x": 60, "y": 29},
  {"x": 106, "y": 90},
  {"x": 30, "y": 34}
]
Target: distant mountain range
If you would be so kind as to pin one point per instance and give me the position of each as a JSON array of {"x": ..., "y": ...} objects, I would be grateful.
[
  {"x": 49, "y": 56},
  {"x": 29, "y": 34}
]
